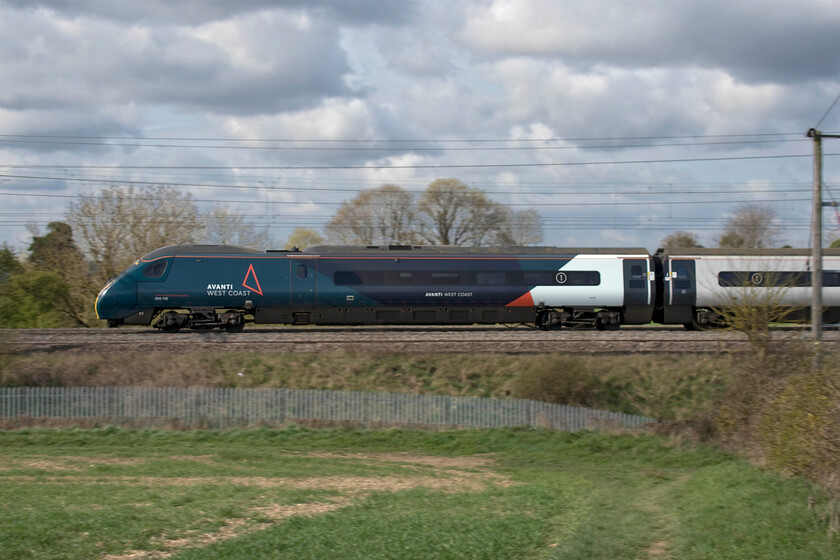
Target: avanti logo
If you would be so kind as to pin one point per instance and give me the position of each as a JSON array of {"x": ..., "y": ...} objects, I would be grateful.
[{"x": 251, "y": 276}]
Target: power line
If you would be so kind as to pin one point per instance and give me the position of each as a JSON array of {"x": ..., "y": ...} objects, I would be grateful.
[
  {"x": 526, "y": 204},
  {"x": 833, "y": 103},
  {"x": 405, "y": 141},
  {"x": 311, "y": 188},
  {"x": 412, "y": 149},
  {"x": 419, "y": 166}
]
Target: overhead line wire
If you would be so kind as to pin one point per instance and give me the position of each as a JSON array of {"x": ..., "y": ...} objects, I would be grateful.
[
  {"x": 338, "y": 189},
  {"x": 412, "y": 149},
  {"x": 429, "y": 166},
  {"x": 333, "y": 203},
  {"x": 403, "y": 140}
]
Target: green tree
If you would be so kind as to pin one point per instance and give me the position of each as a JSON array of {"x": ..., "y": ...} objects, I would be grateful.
[
  {"x": 680, "y": 239},
  {"x": 303, "y": 238},
  {"x": 9, "y": 264},
  {"x": 37, "y": 299},
  {"x": 56, "y": 252}
]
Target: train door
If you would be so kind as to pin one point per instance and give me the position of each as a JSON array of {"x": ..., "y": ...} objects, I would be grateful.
[
  {"x": 304, "y": 275},
  {"x": 680, "y": 285},
  {"x": 638, "y": 292}
]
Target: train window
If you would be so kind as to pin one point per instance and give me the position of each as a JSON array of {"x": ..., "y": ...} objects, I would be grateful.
[
  {"x": 783, "y": 279},
  {"x": 399, "y": 278},
  {"x": 578, "y": 277},
  {"x": 443, "y": 278},
  {"x": 355, "y": 278},
  {"x": 494, "y": 278},
  {"x": 373, "y": 277},
  {"x": 792, "y": 279},
  {"x": 636, "y": 271},
  {"x": 155, "y": 270},
  {"x": 831, "y": 279},
  {"x": 682, "y": 281},
  {"x": 302, "y": 271},
  {"x": 346, "y": 278},
  {"x": 538, "y": 278}
]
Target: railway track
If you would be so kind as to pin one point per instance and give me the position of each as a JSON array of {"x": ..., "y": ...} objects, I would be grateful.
[{"x": 390, "y": 339}]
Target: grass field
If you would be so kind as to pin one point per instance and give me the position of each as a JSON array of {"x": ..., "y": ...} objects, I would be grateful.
[{"x": 339, "y": 494}]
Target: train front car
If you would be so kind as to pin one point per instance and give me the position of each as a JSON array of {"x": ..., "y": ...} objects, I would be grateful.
[
  {"x": 547, "y": 286},
  {"x": 193, "y": 286},
  {"x": 203, "y": 287},
  {"x": 701, "y": 287}
]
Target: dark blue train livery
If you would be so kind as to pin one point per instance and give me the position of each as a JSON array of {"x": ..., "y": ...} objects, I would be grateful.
[{"x": 209, "y": 286}]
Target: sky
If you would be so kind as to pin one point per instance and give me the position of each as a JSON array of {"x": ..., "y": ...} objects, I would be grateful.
[{"x": 620, "y": 122}]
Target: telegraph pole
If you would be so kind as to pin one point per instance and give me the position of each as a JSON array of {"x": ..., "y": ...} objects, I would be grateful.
[
  {"x": 816, "y": 243},
  {"x": 816, "y": 239}
]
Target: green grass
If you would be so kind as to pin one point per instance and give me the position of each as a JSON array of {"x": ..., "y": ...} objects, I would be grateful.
[{"x": 395, "y": 494}]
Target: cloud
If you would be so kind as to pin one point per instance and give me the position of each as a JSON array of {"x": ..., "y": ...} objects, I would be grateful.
[
  {"x": 474, "y": 70},
  {"x": 261, "y": 62},
  {"x": 192, "y": 12},
  {"x": 785, "y": 41}
]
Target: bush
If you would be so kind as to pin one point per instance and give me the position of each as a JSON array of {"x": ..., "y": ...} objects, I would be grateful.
[{"x": 561, "y": 379}]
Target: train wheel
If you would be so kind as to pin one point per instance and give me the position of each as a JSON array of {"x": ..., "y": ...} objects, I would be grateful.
[
  {"x": 171, "y": 322},
  {"x": 602, "y": 325},
  {"x": 548, "y": 321},
  {"x": 234, "y": 328},
  {"x": 696, "y": 325}
]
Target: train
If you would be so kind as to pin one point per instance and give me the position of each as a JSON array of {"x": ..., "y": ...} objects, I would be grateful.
[{"x": 225, "y": 287}]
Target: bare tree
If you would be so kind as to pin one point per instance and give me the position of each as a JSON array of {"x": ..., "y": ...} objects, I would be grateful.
[
  {"x": 380, "y": 216},
  {"x": 680, "y": 239},
  {"x": 452, "y": 213},
  {"x": 224, "y": 227},
  {"x": 521, "y": 228},
  {"x": 117, "y": 225},
  {"x": 303, "y": 238},
  {"x": 751, "y": 227},
  {"x": 448, "y": 212}
]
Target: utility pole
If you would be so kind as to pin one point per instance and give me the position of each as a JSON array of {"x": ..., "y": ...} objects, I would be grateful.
[{"x": 816, "y": 240}]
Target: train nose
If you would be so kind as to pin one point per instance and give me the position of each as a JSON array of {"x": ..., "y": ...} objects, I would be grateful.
[
  {"x": 104, "y": 303},
  {"x": 116, "y": 300}
]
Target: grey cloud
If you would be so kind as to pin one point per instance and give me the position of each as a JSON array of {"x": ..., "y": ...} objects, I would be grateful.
[
  {"x": 775, "y": 41},
  {"x": 263, "y": 65},
  {"x": 190, "y": 12}
]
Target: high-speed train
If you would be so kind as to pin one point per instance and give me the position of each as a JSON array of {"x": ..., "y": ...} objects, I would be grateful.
[{"x": 213, "y": 286}]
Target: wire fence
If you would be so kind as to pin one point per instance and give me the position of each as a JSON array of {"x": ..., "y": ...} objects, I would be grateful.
[{"x": 228, "y": 407}]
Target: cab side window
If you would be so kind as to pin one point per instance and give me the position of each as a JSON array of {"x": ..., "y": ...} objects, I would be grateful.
[{"x": 155, "y": 269}]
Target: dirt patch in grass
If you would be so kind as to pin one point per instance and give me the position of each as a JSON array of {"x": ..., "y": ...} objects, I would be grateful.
[
  {"x": 444, "y": 474},
  {"x": 464, "y": 482},
  {"x": 232, "y": 528},
  {"x": 468, "y": 462},
  {"x": 65, "y": 463}
]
